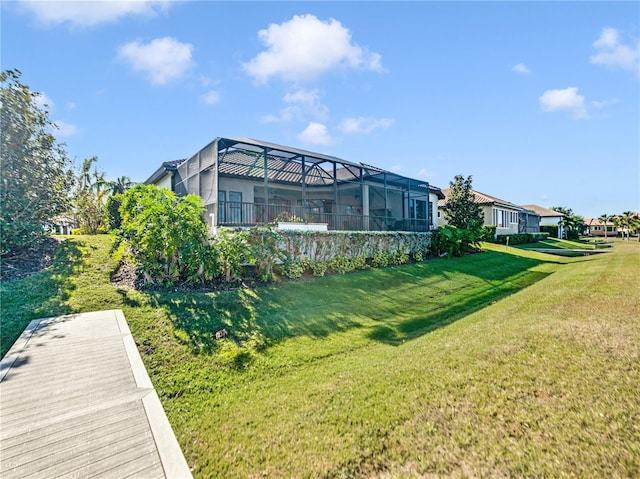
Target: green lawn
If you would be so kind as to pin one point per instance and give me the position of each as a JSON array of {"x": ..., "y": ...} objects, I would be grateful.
[
  {"x": 504, "y": 363},
  {"x": 555, "y": 243}
]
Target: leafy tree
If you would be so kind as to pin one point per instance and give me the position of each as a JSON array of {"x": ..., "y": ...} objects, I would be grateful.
[
  {"x": 112, "y": 211},
  {"x": 167, "y": 235},
  {"x": 461, "y": 210},
  {"x": 573, "y": 224},
  {"x": 627, "y": 222},
  {"x": 37, "y": 175},
  {"x": 604, "y": 219},
  {"x": 89, "y": 197},
  {"x": 119, "y": 185}
]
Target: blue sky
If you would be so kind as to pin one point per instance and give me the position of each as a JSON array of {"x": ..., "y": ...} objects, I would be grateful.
[{"x": 539, "y": 102}]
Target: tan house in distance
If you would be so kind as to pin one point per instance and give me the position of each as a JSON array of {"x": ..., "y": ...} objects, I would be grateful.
[
  {"x": 502, "y": 214},
  {"x": 595, "y": 227}
]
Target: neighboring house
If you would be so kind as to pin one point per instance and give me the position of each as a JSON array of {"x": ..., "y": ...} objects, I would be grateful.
[
  {"x": 505, "y": 216},
  {"x": 63, "y": 224},
  {"x": 548, "y": 217},
  {"x": 528, "y": 221},
  {"x": 595, "y": 227},
  {"x": 245, "y": 182}
]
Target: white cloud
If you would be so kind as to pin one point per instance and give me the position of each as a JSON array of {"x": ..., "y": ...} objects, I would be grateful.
[
  {"x": 43, "y": 102},
  {"x": 65, "y": 130},
  {"x": 424, "y": 173},
  {"x": 162, "y": 60},
  {"x": 210, "y": 98},
  {"x": 604, "y": 103},
  {"x": 611, "y": 52},
  {"x": 315, "y": 134},
  {"x": 302, "y": 103},
  {"x": 564, "y": 100},
  {"x": 397, "y": 168},
  {"x": 304, "y": 48},
  {"x": 71, "y": 105},
  {"x": 89, "y": 13},
  {"x": 308, "y": 101},
  {"x": 362, "y": 125},
  {"x": 521, "y": 68}
]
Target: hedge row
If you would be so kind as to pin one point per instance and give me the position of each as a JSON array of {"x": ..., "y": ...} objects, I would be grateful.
[
  {"x": 326, "y": 245},
  {"x": 521, "y": 238}
]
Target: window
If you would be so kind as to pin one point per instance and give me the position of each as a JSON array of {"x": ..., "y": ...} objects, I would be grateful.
[
  {"x": 222, "y": 205},
  {"x": 502, "y": 218},
  {"x": 235, "y": 207},
  {"x": 417, "y": 209}
]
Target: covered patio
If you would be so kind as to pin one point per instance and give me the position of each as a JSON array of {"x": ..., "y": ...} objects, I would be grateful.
[{"x": 246, "y": 182}]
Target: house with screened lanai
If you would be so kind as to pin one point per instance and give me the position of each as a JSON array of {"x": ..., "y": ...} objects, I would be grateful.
[{"x": 245, "y": 182}]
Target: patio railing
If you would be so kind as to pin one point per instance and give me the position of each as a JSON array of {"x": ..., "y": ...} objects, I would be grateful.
[{"x": 230, "y": 213}]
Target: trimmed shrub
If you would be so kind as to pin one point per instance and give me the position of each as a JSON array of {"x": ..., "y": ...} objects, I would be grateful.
[
  {"x": 326, "y": 245},
  {"x": 488, "y": 233},
  {"x": 521, "y": 238},
  {"x": 551, "y": 230}
]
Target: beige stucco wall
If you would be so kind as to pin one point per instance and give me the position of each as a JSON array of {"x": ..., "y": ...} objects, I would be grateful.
[
  {"x": 487, "y": 210},
  {"x": 242, "y": 186},
  {"x": 550, "y": 220},
  {"x": 165, "y": 181},
  {"x": 433, "y": 198}
]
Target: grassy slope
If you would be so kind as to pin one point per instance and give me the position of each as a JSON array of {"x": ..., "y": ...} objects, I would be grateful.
[{"x": 387, "y": 372}]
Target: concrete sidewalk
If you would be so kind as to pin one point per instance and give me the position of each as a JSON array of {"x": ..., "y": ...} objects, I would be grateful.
[{"x": 76, "y": 401}]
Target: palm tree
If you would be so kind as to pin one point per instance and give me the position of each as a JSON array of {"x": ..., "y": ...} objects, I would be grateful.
[
  {"x": 604, "y": 219},
  {"x": 635, "y": 224},
  {"x": 119, "y": 185},
  {"x": 628, "y": 223}
]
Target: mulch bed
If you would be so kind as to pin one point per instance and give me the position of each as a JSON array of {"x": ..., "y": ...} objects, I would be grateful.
[
  {"x": 126, "y": 277},
  {"x": 26, "y": 261}
]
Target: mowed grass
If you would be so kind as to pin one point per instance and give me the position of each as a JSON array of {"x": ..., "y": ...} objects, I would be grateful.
[{"x": 504, "y": 363}]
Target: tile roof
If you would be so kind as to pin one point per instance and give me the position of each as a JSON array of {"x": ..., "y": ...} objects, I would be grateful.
[
  {"x": 542, "y": 211},
  {"x": 481, "y": 199},
  {"x": 596, "y": 222},
  {"x": 242, "y": 163}
]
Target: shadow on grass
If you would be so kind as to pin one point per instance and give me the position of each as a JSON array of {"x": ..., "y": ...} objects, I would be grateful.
[
  {"x": 391, "y": 305},
  {"x": 41, "y": 295}
]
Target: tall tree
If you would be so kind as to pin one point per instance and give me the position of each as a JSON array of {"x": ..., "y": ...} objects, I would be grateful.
[
  {"x": 37, "y": 175},
  {"x": 605, "y": 219},
  {"x": 89, "y": 197},
  {"x": 119, "y": 185},
  {"x": 461, "y": 209},
  {"x": 573, "y": 224},
  {"x": 626, "y": 222}
]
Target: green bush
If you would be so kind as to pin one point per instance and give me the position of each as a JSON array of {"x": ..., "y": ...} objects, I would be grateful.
[
  {"x": 167, "y": 236},
  {"x": 451, "y": 241},
  {"x": 264, "y": 251},
  {"x": 233, "y": 251},
  {"x": 488, "y": 233},
  {"x": 317, "y": 268},
  {"x": 112, "y": 211},
  {"x": 381, "y": 259},
  {"x": 521, "y": 238},
  {"x": 291, "y": 269},
  {"x": 341, "y": 265},
  {"x": 551, "y": 230}
]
